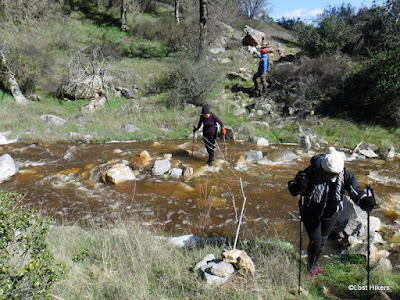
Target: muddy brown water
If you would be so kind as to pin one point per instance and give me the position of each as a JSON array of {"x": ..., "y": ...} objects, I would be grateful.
[{"x": 62, "y": 180}]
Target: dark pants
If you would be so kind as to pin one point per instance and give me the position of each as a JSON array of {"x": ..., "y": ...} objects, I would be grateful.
[
  {"x": 209, "y": 142},
  {"x": 318, "y": 232},
  {"x": 263, "y": 81}
]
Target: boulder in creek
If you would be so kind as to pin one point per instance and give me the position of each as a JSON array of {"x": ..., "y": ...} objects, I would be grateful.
[
  {"x": 369, "y": 153},
  {"x": 7, "y": 167},
  {"x": 5, "y": 141},
  {"x": 188, "y": 173},
  {"x": 141, "y": 160},
  {"x": 253, "y": 155},
  {"x": 176, "y": 173},
  {"x": 259, "y": 141},
  {"x": 241, "y": 163},
  {"x": 161, "y": 167},
  {"x": 117, "y": 174}
]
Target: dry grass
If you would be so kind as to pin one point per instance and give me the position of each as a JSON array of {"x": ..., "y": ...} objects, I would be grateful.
[{"x": 126, "y": 261}]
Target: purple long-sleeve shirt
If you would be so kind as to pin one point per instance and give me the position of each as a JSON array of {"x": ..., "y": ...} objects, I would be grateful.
[{"x": 209, "y": 124}]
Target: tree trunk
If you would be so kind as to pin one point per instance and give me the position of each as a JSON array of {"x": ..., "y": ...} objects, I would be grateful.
[
  {"x": 177, "y": 15},
  {"x": 10, "y": 78},
  {"x": 124, "y": 22},
  {"x": 203, "y": 29}
]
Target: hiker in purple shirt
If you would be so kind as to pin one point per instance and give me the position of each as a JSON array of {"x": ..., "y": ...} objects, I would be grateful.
[{"x": 209, "y": 122}]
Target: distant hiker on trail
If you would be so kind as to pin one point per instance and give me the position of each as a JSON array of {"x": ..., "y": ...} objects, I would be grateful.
[
  {"x": 321, "y": 186},
  {"x": 209, "y": 122},
  {"x": 262, "y": 70}
]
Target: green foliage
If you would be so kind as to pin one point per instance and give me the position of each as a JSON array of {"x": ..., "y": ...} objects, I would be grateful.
[
  {"x": 145, "y": 49},
  {"x": 350, "y": 269},
  {"x": 378, "y": 28},
  {"x": 341, "y": 29},
  {"x": 81, "y": 256},
  {"x": 372, "y": 93},
  {"x": 27, "y": 269},
  {"x": 332, "y": 34}
]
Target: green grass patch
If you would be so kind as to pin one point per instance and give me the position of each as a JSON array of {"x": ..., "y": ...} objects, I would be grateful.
[
  {"x": 350, "y": 270},
  {"x": 349, "y": 134}
]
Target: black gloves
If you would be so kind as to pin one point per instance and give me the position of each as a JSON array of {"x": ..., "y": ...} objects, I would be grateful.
[
  {"x": 301, "y": 181},
  {"x": 299, "y": 184},
  {"x": 368, "y": 203}
]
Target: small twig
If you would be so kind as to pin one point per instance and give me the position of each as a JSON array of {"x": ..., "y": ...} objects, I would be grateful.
[
  {"x": 242, "y": 213},
  {"x": 55, "y": 297},
  {"x": 235, "y": 208}
]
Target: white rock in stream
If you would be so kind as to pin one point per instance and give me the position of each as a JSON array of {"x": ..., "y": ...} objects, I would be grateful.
[
  {"x": 7, "y": 167},
  {"x": 161, "y": 167},
  {"x": 5, "y": 141},
  {"x": 117, "y": 174},
  {"x": 253, "y": 155},
  {"x": 259, "y": 141},
  {"x": 176, "y": 173}
]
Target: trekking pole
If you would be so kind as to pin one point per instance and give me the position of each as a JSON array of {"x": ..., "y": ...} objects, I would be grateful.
[
  {"x": 370, "y": 192},
  {"x": 194, "y": 127},
  {"x": 368, "y": 253},
  {"x": 301, "y": 241},
  {"x": 226, "y": 151}
]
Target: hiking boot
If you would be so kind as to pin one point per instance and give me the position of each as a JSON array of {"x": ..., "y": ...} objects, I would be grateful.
[
  {"x": 210, "y": 162},
  {"x": 314, "y": 271}
]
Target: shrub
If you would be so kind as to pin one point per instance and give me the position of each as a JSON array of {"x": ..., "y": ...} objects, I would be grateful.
[
  {"x": 372, "y": 93},
  {"x": 378, "y": 28},
  {"x": 309, "y": 81},
  {"x": 26, "y": 264},
  {"x": 192, "y": 81}
]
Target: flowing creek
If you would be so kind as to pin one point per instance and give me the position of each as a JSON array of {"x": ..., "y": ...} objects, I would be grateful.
[{"x": 62, "y": 181}]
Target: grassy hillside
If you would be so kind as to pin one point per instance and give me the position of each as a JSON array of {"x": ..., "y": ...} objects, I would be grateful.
[{"x": 40, "y": 56}]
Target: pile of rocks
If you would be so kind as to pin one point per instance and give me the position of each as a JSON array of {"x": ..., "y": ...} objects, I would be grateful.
[{"x": 217, "y": 271}]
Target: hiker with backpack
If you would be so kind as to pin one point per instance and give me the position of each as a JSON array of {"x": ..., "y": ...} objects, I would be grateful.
[
  {"x": 262, "y": 71},
  {"x": 209, "y": 122},
  {"x": 321, "y": 186}
]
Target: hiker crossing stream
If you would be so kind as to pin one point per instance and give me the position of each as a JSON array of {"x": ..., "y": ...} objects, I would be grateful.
[{"x": 64, "y": 182}]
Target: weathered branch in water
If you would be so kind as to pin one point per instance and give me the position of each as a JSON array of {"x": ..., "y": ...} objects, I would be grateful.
[{"x": 12, "y": 81}]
